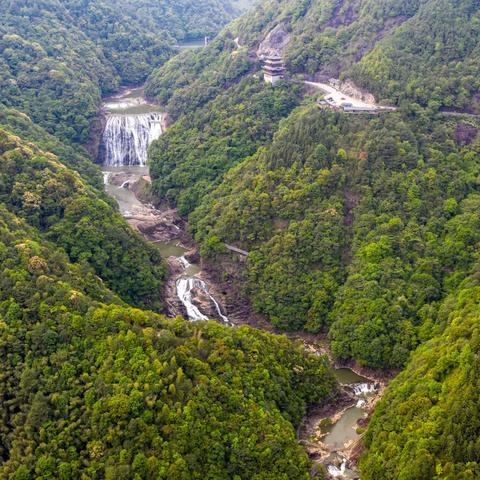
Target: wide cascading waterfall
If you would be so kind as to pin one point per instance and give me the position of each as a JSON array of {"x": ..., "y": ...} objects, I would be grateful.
[{"x": 126, "y": 138}]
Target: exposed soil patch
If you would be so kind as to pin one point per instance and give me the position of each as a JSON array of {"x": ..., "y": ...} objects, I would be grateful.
[{"x": 465, "y": 133}]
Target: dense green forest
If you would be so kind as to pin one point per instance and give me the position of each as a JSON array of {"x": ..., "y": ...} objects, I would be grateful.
[
  {"x": 74, "y": 157},
  {"x": 423, "y": 52},
  {"x": 137, "y": 36},
  {"x": 356, "y": 225},
  {"x": 54, "y": 199},
  {"x": 188, "y": 162},
  {"x": 93, "y": 388},
  {"x": 365, "y": 229}
]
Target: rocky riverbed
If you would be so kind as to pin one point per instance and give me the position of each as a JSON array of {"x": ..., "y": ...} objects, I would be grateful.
[{"x": 189, "y": 291}]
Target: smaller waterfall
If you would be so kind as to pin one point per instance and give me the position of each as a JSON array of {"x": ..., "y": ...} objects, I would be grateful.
[
  {"x": 363, "y": 388},
  {"x": 126, "y": 138},
  {"x": 185, "y": 263},
  {"x": 184, "y": 292},
  {"x": 219, "y": 311}
]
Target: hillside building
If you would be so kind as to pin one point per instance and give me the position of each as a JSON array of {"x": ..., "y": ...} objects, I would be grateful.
[{"x": 273, "y": 69}]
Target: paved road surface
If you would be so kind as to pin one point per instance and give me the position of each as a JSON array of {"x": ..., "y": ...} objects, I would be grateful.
[{"x": 337, "y": 98}]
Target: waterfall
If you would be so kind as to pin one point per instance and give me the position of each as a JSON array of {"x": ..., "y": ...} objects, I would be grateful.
[
  {"x": 335, "y": 471},
  {"x": 185, "y": 263},
  {"x": 127, "y": 137},
  {"x": 363, "y": 388},
  {"x": 184, "y": 292}
]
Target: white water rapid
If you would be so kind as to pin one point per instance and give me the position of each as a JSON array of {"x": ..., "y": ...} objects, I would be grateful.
[
  {"x": 126, "y": 138},
  {"x": 337, "y": 472},
  {"x": 184, "y": 292}
]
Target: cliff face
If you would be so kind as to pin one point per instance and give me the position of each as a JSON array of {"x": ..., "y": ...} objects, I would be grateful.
[
  {"x": 97, "y": 125},
  {"x": 275, "y": 42}
]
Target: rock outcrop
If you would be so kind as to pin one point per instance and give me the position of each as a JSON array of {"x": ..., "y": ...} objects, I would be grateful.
[
  {"x": 352, "y": 90},
  {"x": 275, "y": 42},
  {"x": 157, "y": 226}
]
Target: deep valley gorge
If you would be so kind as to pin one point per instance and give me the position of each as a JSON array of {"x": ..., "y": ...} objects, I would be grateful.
[
  {"x": 239, "y": 240},
  {"x": 192, "y": 292}
]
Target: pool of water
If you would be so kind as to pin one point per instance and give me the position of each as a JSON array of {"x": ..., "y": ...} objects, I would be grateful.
[
  {"x": 174, "y": 249},
  {"x": 171, "y": 249},
  {"x": 343, "y": 431},
  {"x": 130, "y": 102},
  {"x": 125, "y": 198},
  {"x": 345, "y": 375}
]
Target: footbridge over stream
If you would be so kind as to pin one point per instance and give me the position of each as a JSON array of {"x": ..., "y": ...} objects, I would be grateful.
[{"x": 233, "y": 249}]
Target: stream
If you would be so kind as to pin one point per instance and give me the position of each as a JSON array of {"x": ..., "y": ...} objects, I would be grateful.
[{"x": 132, "y": 124}]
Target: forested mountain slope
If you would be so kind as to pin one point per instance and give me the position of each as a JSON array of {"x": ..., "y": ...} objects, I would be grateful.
[
  {"x": 428, "y": 425},
  {"x": 50, "y": 70},
  {"x": 354, "y": 225},
  {"x": 83, "y": 221},
  {"x": 421, "y": 55},
  {"x": 363, "y": 227},
  {"x": 92, "y": 387},
  {"x": 73, "y": 157},
  {"x": 425, "y": 51},
  {"x": 137, "y": 36},
  {"x": 190, "y": 159}
]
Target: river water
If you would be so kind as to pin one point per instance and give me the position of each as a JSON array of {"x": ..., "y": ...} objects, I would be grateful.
[
  {"x": 337, "y": 439},
  {"x": 132, "y": 124}
]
